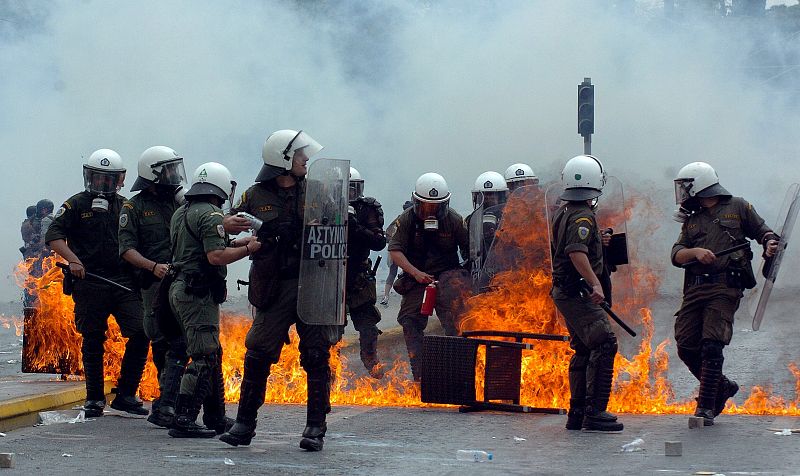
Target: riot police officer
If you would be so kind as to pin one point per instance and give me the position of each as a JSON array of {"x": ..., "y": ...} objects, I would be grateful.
[
  {"x": 144, "y": 242},
  {"x": 713, "y": 220},
  {"x": 277, "y": 200},
  {"x": 201, "y": 251},
  {"x": 489, "y": 193},
  {"x": 84, "y": 232},
  {"x": 577, "y": 256},
  {"x": 426, "y": 247},
  {"x": 520, "y": 175},
  {"x": 365, "y": 234}
]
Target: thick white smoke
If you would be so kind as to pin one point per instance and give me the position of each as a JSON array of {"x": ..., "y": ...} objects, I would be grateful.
[{"x": 400, "y": 88}]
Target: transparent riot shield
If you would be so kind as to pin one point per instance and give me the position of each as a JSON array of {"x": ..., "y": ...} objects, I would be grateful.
[
  {"x": 520, "y": 241},
  {"x": 320, "y": 295},
  {"x": 476, "y": 251},
  {"x": 611, "y": 217},
  {"x": 769, "y": 268}
]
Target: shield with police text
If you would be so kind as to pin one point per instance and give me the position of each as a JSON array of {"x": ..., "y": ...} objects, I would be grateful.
[
  {"x": 617, "y": 279},
  {"x": 320, "y": 296},
  {"x": 769, "y": 267}
]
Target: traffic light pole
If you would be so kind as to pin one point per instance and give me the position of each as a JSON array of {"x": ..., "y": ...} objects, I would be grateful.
[{"x": 587, "y": 145}]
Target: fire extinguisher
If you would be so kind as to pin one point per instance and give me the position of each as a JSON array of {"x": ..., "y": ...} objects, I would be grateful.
[{"x": 429, "y": 299}]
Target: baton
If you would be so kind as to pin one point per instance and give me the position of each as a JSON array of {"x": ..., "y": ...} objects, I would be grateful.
[
  {"x": 377, "y": 263},
  {"x": 95, "y": 276},
  {"x": 607, "y": 308},
  {"x": 728, "y": 251}
]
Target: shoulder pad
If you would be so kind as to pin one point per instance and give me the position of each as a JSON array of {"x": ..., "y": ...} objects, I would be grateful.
[{"x": 371, "y": 201}]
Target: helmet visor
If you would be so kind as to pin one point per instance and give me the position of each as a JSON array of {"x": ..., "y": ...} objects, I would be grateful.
[
  {"x": 355, "y": 190},
  {"x": 426, "y": 210},
  {"x": 491, "y": 199},
  {"x": 170, "y": 173},
  {"x": 514, "y": 184},
  {"x": 682, "y": 188},
  {"x": 101, "y": 181}
]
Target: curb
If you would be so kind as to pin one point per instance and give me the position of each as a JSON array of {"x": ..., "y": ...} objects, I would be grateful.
[{"x": 19, "y": 406}]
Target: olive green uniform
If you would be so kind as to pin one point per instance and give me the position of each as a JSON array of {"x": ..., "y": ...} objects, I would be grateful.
[
  {"x": 365, "y": 234},
  {"x": 435, "y": 253},
  {"x": 92, "y": 236},
  {"x": 274, "y": 273},
  {"x": 591, "y": 367},
  {"x": 711, "y": 293},
  {"x": 196, "y": 229},
  {"x": 144, "y": 226}
]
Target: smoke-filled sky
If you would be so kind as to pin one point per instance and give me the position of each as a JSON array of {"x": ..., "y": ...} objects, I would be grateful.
[{"x": 398, "y": 87}]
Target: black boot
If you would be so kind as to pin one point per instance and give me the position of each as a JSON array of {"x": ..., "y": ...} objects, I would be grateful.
[
  {"x": 727, "y": 389},
  {"x": 575, "y": 414},
  {"x": 94, "y": 408},
  {"x": 186, "y": 420},
  {"x": 214, "y": 404},
  {"x": 710, "y": 377},
  {"x": 251, "y": 397},
  {"x": 130, "y": 375},
  {"x": 596, "y": 418},
  {"x": 314, "y": 433}
]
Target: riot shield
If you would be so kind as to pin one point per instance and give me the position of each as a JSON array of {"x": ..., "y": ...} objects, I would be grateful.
[
  {"x": 769, "y": 268},
  {"x": 611, "y": 211},
  {"x": 321, "y": 288},
  {"x": 519, "y": 241},
  {"x": 476, "y": 251}
]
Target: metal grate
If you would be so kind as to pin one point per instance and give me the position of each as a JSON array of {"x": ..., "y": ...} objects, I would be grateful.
[
  {"x": 448, "y": 370},
  {"x": 503, "y": 373}
]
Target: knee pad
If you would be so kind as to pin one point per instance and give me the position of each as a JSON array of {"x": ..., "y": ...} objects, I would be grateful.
[
  {"x": 711, "y": 349},
  {"x": 209, "y": 360},
  {"x": 609, "y": 346},
  {"x": 314, "y": 359}
]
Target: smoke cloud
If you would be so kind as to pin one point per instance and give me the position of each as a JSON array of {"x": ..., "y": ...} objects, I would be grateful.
[{"x": 399, "y": 87}]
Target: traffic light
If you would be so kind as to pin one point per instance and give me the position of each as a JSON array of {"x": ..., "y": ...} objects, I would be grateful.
[{"x": 586, "y": 108}]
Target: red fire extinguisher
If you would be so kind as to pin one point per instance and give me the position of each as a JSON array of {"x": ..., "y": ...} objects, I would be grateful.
[{"x": 429, "y": 299}]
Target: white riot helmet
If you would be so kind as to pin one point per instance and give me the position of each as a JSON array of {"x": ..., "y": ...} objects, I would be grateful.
[
  {"x": 279, "y": 149},
  {"x": 212, "y": 178},
  {"x": 103, "y": 173},
  {"x": 520, "y": 175},
  {"x": 490, "y": 189},
  {"x": 159, "y": 165},
  {"x": 697, "y": 179},
  {"x": 431, "y": 199},
  {"x": 583, "y": 178},
  {"x": 356, "y": 189}
]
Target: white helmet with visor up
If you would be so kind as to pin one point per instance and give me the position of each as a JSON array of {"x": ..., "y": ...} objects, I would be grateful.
[
  {"x": 697, "y": 179},
  {"x": 159, "y": 165}
]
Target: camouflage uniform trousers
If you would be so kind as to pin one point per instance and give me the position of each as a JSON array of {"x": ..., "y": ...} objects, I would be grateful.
[
  {"x": 449, "y": 305},
  {"x": 94, "y": 302},
  {"x": 589, "y": 329}
]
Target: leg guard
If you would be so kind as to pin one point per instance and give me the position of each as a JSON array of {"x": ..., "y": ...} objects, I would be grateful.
[
  {"x": 214, "y": 405},
  {"x": 251, "y": 397},
  {"x": 577, "y": 387},
  {"x": 170, "y": 383},
  {"x": 316, "y": 365},
  {"x": 159, "y": 349},
  {"x": 596, "y": 418},
  {"x": 710, "y": 376},
  {"x": 413, "y": 337}
]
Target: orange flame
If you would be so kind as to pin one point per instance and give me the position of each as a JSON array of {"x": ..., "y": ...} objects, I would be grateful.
[{"x": 518, "y": 301}]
